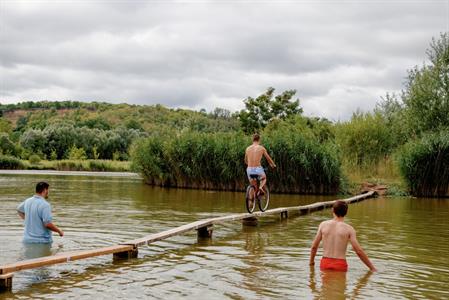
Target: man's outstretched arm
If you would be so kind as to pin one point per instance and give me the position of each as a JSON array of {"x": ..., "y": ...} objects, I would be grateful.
[
  {"x": 315, "y": 245},
  {"x": 267, "y": 156},
  {"x": 360, "y": 253}
]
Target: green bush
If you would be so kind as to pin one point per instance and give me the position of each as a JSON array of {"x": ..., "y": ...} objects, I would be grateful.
[
  {"x": 9, "y": 162},
  {"x": 34, "y": 159},
  {"x": 77, "y": 153},
  {"x": 365, "y": 139},
  {"x": 424, "y": 163}
]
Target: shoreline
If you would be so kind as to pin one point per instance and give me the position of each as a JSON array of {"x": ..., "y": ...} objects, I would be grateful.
[{"x": 71, "y": 173}]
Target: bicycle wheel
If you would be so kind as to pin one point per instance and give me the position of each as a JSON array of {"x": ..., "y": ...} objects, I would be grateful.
[
  {"x": 264, "y": 199},
  {"x": 250, "y": 198}
]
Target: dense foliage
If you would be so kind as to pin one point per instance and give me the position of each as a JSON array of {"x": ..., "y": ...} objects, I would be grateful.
[
  {"x": 215, "y": 161},
  {"x": 425, "y": 164},
  {"x": 366, "y": 139},
  {"x": 9, "y": 162}
]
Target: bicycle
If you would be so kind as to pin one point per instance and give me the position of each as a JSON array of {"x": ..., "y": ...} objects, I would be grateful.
[{"x": 253, "y": 194}]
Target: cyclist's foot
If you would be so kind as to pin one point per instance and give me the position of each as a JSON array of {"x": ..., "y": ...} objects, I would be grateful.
[{"x": 260, "y": 192}]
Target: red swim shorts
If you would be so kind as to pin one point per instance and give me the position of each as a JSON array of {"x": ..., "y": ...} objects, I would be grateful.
[{"x": 337, "y": 264}]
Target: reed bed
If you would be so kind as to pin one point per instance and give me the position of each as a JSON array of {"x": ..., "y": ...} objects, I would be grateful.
[{"x": 216, "y": 161}]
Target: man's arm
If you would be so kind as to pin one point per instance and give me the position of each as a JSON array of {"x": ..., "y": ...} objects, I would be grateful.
[
  {"x": 315, "y": 245},
  {"x": 360, "y": 253},
  {"x": 21, "y": 210},
  {"x": 246, "y": 157},
  {"x": 54, "y": 228},
  {"x": 267, "y": 156},
  {"x": 47, "y": 219},
  {"x": 21, "y": 215}
]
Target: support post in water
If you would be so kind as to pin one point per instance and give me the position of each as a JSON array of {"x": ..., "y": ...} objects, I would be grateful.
[
  {"x": 284, "y": 214},
  {"x": 6, "y": 282},
  {"x": 205, "y": 232},
  {"x": 251, "y": 221},
  {"x": 126, "y": 254}
]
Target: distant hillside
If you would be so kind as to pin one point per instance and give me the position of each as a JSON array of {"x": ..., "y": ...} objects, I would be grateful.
[{"x": 105, "y": 116}]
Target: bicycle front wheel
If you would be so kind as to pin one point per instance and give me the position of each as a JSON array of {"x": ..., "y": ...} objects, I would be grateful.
[
  {"x": 250, "y": 198},
  {"x": 264, "y": 199}
]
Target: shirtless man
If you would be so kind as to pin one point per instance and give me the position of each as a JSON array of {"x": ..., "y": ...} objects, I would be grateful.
[
  {"x": 336, "y": 234},
  {"x": 253, "y": 156}
]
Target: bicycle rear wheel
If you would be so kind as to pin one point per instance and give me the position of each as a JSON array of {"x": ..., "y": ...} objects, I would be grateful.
[
  {"x": 250, "y": 198},
  {"x": 264, "y": 199}
]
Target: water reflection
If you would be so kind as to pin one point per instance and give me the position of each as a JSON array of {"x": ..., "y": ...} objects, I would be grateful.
[{"x": 334, "y": 284}]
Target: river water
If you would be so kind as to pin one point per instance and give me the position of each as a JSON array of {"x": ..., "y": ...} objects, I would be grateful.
[{"x": 406, "y": 238}]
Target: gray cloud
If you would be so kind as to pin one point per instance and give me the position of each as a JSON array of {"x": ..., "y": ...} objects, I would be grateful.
[{"x": 340, "y": 56}]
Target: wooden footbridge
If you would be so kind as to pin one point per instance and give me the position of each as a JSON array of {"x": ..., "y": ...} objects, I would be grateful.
[{"x": 129, "y": 249}]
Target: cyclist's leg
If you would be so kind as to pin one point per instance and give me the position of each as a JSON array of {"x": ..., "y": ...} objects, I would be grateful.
[
  {"x": 263, "y": 181},
  {"x": 262, "y": 177}
]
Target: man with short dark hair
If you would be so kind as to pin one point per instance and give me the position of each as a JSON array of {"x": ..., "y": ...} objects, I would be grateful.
[
  {"x": 253, "y": 157},
  {"x": 36, "y": 212},
  {"x": 336, "y": 234}
]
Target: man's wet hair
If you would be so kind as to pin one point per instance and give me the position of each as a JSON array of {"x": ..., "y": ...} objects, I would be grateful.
[
  {"x": 256, "y": 137},
  {"x": 340, "y": 208},
  {"x": 41, "y": 186}
]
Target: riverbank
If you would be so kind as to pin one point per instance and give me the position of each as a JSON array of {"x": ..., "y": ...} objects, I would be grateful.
[
  {"x": 70, "y": 173},
  {"x": 385, "y": 173},
  {"x": 94, "y": 165}
]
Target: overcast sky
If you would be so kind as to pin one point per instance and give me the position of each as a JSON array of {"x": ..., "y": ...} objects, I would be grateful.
[{"x": 338, "y": 55}]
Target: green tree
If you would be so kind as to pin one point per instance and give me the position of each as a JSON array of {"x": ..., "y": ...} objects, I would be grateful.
[
  {"x": 262, "y": 110},
  {"x": 426, "y": 95}
]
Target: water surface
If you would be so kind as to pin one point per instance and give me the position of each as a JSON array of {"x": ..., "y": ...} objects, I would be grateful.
[{"x": 406, "y": 238}]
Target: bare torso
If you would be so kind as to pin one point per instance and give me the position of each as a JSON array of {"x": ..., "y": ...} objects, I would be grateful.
[
  {"x": 254, "y": 155},
  {"x": 336, "y": 235}
]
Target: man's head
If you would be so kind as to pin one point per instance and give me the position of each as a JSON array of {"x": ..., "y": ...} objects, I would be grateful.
[
  {"x": 256, "y": 137},
  {"x": 42, "y": 189},
  {"x": 340, "y": 208}
]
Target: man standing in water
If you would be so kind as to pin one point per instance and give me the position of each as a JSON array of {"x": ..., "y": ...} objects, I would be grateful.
[
  {"x": 253, "y": 156},
  {"x": 336, "y": 234},
  {"x": 36, "y": 212}
]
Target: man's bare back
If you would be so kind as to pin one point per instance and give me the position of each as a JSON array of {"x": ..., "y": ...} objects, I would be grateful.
[
  {"x": 336, "y": 235},
  {"x": 254, "y": 155}
]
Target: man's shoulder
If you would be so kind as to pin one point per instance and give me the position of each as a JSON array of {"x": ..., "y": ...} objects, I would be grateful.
[{"x": 325, "y": 223}]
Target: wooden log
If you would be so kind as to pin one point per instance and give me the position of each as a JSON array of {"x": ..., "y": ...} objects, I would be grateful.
[
  {"x": 6, "y": 282},
  {"x": 62, "y": 258}
]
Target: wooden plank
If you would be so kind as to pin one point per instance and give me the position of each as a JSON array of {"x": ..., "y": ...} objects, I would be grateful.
[{"x": 62, "y": 258}]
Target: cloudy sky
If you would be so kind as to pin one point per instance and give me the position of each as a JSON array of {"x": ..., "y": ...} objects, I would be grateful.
[{"x": 338, "y": 55}]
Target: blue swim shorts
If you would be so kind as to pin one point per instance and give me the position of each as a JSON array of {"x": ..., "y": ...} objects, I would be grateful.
[{"x": 255, "y": 171}]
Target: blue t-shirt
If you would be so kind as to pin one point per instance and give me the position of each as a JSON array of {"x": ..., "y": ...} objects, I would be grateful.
[{"x": 37, "y": 214}]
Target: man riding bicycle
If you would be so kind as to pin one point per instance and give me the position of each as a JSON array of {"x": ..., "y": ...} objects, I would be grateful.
[{"x": 253, "y": 156}]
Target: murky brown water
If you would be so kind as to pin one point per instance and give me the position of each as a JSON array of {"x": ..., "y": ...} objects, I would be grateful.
[{"x": 407, "y": 239}]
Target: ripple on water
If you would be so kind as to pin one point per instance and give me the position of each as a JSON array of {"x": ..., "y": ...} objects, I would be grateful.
[{"x": 407, "y": 240}]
